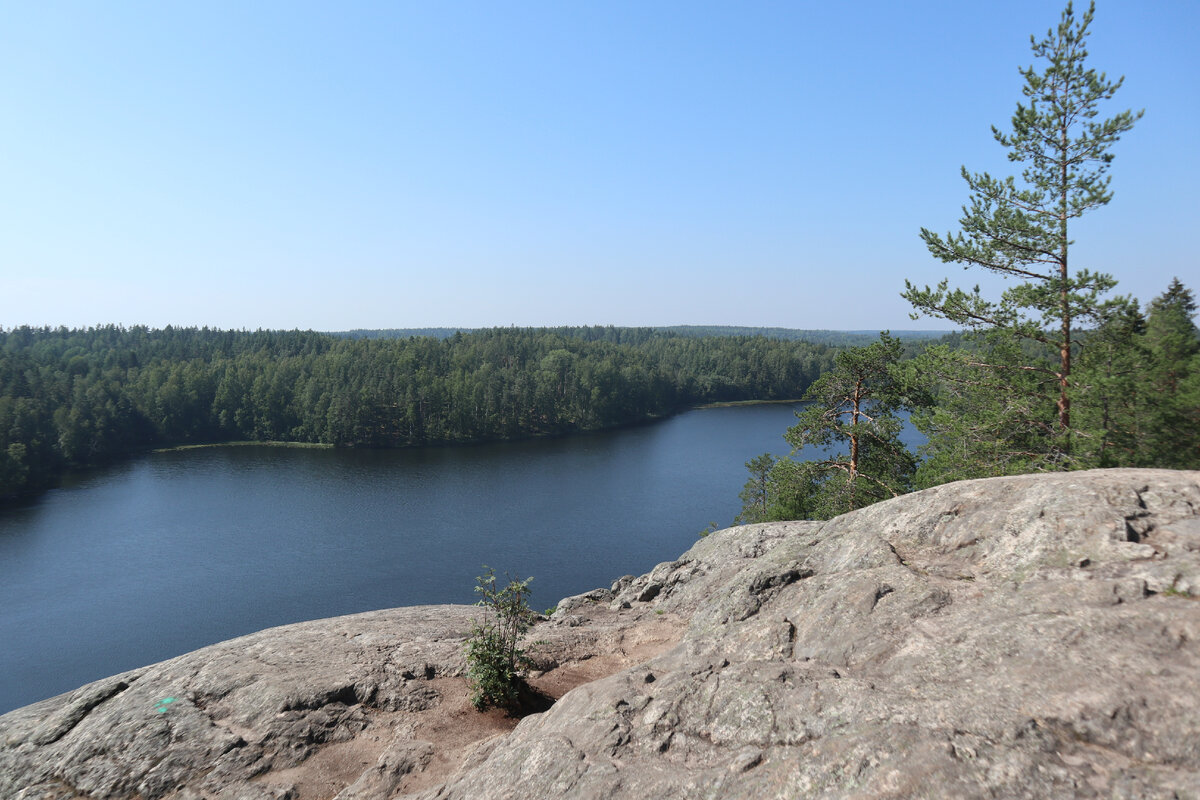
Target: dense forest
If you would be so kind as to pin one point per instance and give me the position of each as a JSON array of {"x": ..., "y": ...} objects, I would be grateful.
[
  {"x": 986, "y": 400},
  {"x": 70, "y": 398},
  {"x": 912, "y": 339},
  {"x": 1053, "y": 373}
]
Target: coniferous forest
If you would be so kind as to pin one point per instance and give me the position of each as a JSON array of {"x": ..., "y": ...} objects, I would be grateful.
[
  {"x": 71, "y": 398},
  {"x": 1055, "y": 373},
  {"x": 986, "y": 401}
]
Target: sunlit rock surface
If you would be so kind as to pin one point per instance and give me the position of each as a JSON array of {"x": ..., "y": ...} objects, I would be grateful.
[{"x": 1036, "y": 636}]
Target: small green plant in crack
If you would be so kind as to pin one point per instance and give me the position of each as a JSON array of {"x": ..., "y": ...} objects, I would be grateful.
[{"x": 495, "y": 661}]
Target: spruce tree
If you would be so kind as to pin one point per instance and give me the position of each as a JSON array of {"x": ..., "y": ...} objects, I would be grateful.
[
  {"x": 1173, "y": 344},
  {"x": 1112, "y": 417},
  {"x": 1021, "y": 228}
]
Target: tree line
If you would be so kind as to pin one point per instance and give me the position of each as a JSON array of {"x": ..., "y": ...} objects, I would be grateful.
[
  {"x": 1053, "y": 374},
  {"x": 74, "y": 397},
  {"x": 912, "y": 339}
]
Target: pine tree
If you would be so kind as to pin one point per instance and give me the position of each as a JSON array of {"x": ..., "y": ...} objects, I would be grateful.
[
  {"x": 1021, "y": 229},
  {"x": 756, "y": 494},
  {"x": 778, "y": 489},
  {"x": 854, "y": 417}
]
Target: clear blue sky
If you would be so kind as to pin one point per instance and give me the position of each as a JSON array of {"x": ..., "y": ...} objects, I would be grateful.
[{"x": 392, "y": 164}]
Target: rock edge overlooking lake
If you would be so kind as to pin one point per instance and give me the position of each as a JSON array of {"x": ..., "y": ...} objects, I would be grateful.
[{"x": 1035, "y": 636}]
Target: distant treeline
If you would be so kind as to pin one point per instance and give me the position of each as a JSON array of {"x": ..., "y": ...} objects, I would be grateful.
[
  {"x": 633, "y": 335},
  {"x": 71, "y": 397}
]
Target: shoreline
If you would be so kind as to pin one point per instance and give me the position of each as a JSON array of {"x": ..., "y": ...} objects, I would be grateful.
[
  {"x": 243, "y": 443},
  {"x": 735, "y": 403}
]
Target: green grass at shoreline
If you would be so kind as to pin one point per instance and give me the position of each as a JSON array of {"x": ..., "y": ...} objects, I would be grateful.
[
  {"x": 650, "y": 418},
  {"x": 732, "y": 403},
  {"x": 314, "y": 445}
]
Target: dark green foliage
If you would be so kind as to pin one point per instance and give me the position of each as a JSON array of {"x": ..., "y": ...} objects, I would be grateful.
[
  {"x": 1051, "y": 374},
  {"x": 1139, "y": 385},
  {"x": 756, "y": 495},
  {"x": 854, "y": 417},
  {"x": 76, "y": 397},
  {"x": 1110, "y": 391},
  {"x": 616, "y": 335},
  {"x": 985, "y": 421},
  {"x": 777, "y": 489},
  {"x": 495, "y": 659},
  {"x": 1135, "y": 396},
  {"x": 399, "y": 333},
  {"x": 1019, "y": 229},
  {"x": 825, "y": 337},
  {"x": 1173, "y": 343}
]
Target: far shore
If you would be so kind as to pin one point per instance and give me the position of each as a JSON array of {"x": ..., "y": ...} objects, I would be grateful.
[
  {"x": 241, "y": 444},
  {"x": 732, "y": 403},
  {"x": 650, "y": 418}
]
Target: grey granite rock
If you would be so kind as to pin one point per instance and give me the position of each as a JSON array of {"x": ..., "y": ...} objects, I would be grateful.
[
  {"x": 204, "y": 724},
  {"x": 1036, "y": 636}
]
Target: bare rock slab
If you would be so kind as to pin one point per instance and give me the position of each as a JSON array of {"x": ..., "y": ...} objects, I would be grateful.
[{"x": 1035, "y": 636}]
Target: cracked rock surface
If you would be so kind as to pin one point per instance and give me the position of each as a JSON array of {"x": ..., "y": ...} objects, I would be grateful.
[{"x": 1035, "y": 636}]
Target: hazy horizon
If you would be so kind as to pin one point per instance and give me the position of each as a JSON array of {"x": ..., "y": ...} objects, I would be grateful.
[
  {"x": 469, "y": 328},
  {"x": 316, "y": 167}
]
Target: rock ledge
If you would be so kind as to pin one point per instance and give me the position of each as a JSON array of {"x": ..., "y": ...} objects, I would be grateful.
[{"x": 1035, "y": 636}]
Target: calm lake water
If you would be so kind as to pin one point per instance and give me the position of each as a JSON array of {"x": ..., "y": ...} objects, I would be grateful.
[{"x": 172, "y": 551}]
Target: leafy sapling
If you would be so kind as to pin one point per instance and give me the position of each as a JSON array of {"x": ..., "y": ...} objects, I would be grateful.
[{"x": 495, "y": 660}]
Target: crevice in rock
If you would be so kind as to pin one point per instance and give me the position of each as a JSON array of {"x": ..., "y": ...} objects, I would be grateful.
[
  {"x": 761, "y": 589},
  {"x": 1138, "y": 527},
  {"x": 745, "y": 762},
  {"x": 345, "y": 695},
  {"x": 1141, "y": 500},
  {"x": 70, "y": 717},
  {"x": 428, "y": 672},
  {"x": 530, "y": 700},
  {"x": 902, "y": 561},
  {"x": 762, "y": 584},
  {"x": 881, "y": 591},
  {"x": 650, "y": 592},
  {"x": 790, "y": 637}
]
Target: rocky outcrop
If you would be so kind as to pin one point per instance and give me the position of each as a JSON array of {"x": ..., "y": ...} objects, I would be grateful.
[{"x": 1036, "y": 636}]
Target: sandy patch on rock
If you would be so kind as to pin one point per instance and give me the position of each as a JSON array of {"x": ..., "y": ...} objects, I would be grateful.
[{"x": 453, "y": 729}]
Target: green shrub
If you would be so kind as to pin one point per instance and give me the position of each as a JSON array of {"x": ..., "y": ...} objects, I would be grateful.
[{"x": 495, "y": 660}]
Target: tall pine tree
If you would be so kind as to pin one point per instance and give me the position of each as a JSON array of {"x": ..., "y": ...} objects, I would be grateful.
[{"x": 1021, "y": 228}]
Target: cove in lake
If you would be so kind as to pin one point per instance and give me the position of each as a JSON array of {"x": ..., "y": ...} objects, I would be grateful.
[{"x": 171, "y": 551}]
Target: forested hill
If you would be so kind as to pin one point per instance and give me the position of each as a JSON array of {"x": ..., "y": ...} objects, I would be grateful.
[
  {"x": 633, "y": 335},
  {"x": 73, "y": 397}
]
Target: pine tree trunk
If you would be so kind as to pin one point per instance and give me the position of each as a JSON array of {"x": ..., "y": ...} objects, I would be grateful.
[{"x": 1064, "y": 374}]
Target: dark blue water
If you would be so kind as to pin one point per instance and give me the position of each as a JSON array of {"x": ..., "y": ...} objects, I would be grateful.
[{"x": 172, "y": 551}]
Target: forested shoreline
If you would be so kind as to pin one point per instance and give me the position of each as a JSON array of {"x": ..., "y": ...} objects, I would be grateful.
[
  {"x": 76, "y": 397},
  {"x": 985, "y": 403},
  {"x": 1052, "y": 373}
]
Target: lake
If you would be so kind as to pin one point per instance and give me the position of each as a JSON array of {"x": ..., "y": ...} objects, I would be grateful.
[{"x": 167, "y": 552}]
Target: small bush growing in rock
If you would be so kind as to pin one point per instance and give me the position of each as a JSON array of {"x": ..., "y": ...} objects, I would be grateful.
[{"x": 495, "y": 660}]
